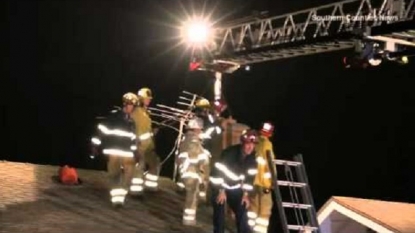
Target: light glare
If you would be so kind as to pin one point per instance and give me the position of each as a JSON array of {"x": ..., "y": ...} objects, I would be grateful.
[
  {"x": 267, "y": 126},
  {"x": 196, "y": 32}
]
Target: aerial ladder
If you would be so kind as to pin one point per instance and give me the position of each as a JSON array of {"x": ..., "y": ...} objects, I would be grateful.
[{"x": 387, "y": 24}]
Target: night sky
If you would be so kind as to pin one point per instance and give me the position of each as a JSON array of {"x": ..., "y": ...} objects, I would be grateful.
[{"x": 70, "y": 61}]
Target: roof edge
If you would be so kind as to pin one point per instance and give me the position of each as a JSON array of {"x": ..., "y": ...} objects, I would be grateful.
[
  {"x": 334, "y": 204},
  {"x": 340, "y": 202}
]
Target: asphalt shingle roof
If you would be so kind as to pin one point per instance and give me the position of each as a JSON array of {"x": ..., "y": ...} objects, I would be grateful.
[{"x": 36, "y": 204}]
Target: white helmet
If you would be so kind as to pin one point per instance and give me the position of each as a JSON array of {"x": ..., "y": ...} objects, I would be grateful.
[{"x": 195, "y": 123}]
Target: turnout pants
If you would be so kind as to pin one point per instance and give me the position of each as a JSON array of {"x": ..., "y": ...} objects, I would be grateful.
[
  {"x": 150, "y": 180},
  {"x": 260, "y": 210},
  {"x": 204, "y": 185},
  {"x": 234, "y": 201},
  {"x": 191, "y": 201},
  {"x": 120, "y": 180}
]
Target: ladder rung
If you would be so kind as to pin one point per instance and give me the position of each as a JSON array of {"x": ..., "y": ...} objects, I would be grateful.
[
  {"x": 289, "y": 183},
  {"x": 289, "y": 163},
  {"x": 301, "y": 228},
  {"x": 295, "y": 205}
]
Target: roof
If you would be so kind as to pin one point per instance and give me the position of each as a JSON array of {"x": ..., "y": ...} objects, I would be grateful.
[
  {"x": 35, "y": 203},
  {"x": 386, "y": 216}
]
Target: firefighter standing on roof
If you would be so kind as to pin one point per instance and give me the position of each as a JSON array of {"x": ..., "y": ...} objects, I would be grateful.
[
  {"x": 145, "y": 146},
  {"x": 211, "y": 130},
  {"x": 261, "y": 201},
  {"x": 116, "y": 136},
  {"x": 232, "y": 182},
  {"x": 211, "y": 123},
  {"x": 193, "y": 162}
]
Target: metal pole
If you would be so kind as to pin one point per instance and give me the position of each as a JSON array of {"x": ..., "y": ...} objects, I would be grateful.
[
  {"x": 218, "y": 85},
  {"x": 306, "y": 192},
  {"x": 177, "y": 149},
  {"x": 277, "y": 194}
]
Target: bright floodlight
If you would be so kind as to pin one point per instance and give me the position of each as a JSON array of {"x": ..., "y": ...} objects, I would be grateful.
[{"x": 196, "y": 32}]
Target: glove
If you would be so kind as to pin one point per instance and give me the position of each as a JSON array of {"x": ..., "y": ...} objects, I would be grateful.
[{"x": 94, "y": 152}]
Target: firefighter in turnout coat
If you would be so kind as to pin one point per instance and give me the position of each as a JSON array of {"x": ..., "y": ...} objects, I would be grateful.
[
  {"x": 193, "y": 162},
  {"x": 211, "y": 137},
  {"x": 145, "y": 146},
  {"x": 232, "y": 182},
  {"x": 116, "y": 137},
  {"x": 261, "y": 200}
]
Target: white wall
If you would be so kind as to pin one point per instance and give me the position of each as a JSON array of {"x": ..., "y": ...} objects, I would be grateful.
[{"x": 338, "y": 223}]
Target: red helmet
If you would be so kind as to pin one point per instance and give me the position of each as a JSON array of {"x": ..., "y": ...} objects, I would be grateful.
[
  {"x": 267, "y": 129},
  {"x": 249, "y": 136},
  {"x": 219, "y": 106}
]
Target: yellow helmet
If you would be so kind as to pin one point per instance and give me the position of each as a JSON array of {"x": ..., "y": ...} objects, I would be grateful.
[
  {"x": 130, "y": 98},
  {"x": 145, "y": 93},
  {"x": 202, "y": 103}
]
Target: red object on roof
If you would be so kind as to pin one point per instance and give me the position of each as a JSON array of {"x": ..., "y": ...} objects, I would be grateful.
[{"x": 194, "y": 66}]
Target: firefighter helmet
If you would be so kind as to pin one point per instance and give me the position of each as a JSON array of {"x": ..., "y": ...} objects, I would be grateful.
[
  {"x": 267, "y": 129},
  {"x": 249, "y": 135},
  {"x": 130, "y": 98},
  {"x": 220, "y": 106},
  {"x": 145, "y": 93},
  {"x": 202, "y": 103},
  {"x": 195, "y": 123}
]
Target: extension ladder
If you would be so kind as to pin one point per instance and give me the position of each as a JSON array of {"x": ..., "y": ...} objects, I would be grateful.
[{"x": 309, "y": 225}]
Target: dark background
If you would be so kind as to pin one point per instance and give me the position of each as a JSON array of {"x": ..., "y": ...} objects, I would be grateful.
[{"x": 69, "y": 61}]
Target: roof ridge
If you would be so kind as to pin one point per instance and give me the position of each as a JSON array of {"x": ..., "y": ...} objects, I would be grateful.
[
  {"x": 27, "y": 163},
  {"x": 378, "y": 221},
  {"x": 369, "y": 199}
]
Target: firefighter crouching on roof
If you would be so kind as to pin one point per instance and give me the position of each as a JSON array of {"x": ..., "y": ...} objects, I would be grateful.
[
  {"x": 232, "y": 182},
  {"x": 145, "y": 146},
  {"x": 193, "y": 161},
  {"x": 116, "y": 136},
  {"x": 261, "y": 200}
]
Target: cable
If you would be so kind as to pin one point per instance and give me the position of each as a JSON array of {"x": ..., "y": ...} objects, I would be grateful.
[
  {"x": 171, "y": 152},
  {"x": 166, "y": 125}
]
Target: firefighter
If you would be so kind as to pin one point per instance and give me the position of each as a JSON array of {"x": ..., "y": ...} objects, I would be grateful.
[
  {"x": 211, "y": 122},
  {"x": 211, "y": 140},
  {"x": 201, "y": 110},
  {"x": 116, "y": 137},
  {"x": 261, "y": 200},
  {"x": 145, "y": 146},
  {"x": 232, "y": 182},
  {"x": 193, "y": 161}
]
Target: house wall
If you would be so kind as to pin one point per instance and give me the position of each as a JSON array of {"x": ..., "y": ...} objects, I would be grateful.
[
  {"x": 232, "y": 132},
  {"x": 338, "y": 223}
]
